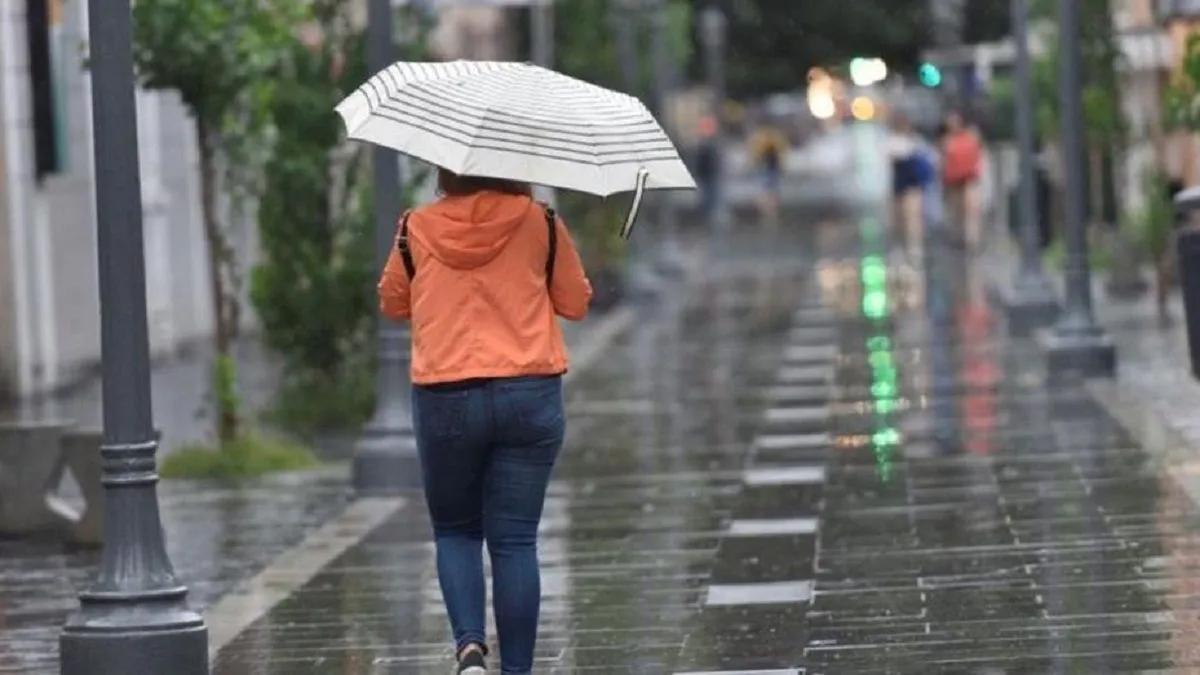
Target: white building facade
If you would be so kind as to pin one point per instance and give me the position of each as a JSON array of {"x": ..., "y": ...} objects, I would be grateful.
[{"x": 49, "y": 305}]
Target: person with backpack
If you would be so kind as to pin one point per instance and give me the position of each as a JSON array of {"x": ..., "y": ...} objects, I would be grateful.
[
  {"x": 483, "y": 273},
  {"x": 962, "y": 167}
]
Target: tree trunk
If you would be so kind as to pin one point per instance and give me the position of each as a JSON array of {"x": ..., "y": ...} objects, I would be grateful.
[{"x": 224, "y": 302}]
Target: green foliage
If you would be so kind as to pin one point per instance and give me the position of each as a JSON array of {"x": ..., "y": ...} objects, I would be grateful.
[
  {"x": 1183, "y": 95},
  {"x": 218, "y": 54},
  {"x": 1100, "y": 254},
  {"x": 595, "y": 227},
  {"x": 775, "y": 42},
  {"x": 245, "y": 456},
  {"x": 587, "y": 50},
  {"x": 986, "y": 21},
  {"x": 1002, "y": 104},
  {"x": 1104, "y": 123},
  {"x": 587, "y": 45},
  {"x": 223, "y": 57},
  {"x": 310, "y": 401},
  {"x": 310, "y": 290},
  {"x": 1152, "y": 225},
  {"x": 226, "y": 396},
  {"x": 313, "y": 287}
]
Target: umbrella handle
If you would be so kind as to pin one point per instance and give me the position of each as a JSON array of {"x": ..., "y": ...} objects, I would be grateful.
[{"x": 639, "y": 191}]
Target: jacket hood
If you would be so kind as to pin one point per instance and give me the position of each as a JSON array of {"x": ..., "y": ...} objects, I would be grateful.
[{"x": 465, "y": 232}]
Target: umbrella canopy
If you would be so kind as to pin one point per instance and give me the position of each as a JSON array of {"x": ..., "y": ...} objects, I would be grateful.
[{"x": 516, "y": 121}]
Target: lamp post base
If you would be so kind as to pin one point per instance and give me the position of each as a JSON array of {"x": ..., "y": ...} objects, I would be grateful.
[
  {"x": 1086, "y": 354},
  {"x": 1029, "y": 307},
  {"x": 118, "y": 639},
  {"x": 386, "y": 463}
]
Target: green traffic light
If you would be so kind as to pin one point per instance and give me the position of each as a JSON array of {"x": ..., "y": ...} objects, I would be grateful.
[{"x": 930, "y": 75}]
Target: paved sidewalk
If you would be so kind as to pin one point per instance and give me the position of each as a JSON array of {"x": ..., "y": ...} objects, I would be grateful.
[
  {"x": 220, "y": 535},
  {"x": 1153, "y": 395},
  {"x": 783, "y": 478},
  {"x": 811, "y": 462},
  {"x": 1014, "y": 527},
  {"x": 217, "y": 535},
  {"x": 641, "y": 528}
]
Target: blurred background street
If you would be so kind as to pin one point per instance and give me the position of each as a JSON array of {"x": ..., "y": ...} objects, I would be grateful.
[{"x": 905, "y": 386}]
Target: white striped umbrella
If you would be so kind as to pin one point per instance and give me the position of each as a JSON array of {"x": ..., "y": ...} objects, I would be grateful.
[{"x": 519, "y": 122}]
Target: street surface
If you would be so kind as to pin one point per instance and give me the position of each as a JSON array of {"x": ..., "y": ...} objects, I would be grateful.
[{"x": 811, "y": 456}]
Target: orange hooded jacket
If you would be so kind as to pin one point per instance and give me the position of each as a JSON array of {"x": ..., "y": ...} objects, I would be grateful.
[{"x": 479, "y": 302}]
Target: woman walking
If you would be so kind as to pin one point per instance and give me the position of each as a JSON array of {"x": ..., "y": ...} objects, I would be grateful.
[
  {"x": 962, "y": 166},
  {"x": 482, "y": 273}
]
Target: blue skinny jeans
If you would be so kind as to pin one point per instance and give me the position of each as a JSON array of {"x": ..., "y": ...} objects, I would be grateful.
[{"x": 487, "y": 449}]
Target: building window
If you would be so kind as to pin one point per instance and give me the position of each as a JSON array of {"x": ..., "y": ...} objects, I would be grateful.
[{"x": 43, "y": 25}]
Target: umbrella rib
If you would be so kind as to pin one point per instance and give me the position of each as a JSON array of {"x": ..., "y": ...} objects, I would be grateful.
[
  {"x": 474, "y": 133},
  {"x": 439, "y": 89},
  {"x": 424, "y": 105},
  {"x": 378, "y": 96},
  {"x": 618, "y": 110},
  {"x": 632, "y": 158}
]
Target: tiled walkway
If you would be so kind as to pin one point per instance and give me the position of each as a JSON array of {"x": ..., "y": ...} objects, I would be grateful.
[
  {"x": 1012, "y": 527},
  {"x": 217, "y": 536},
  {"x": 809, "y": 461},
  {"x": 841, "y": 467},
  {"x": 654, "y": 527}
]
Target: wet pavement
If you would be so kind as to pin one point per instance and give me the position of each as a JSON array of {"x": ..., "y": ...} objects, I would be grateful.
[
  {"x": 217, "y": 535},
  {"x": 978, "y": 518},
  {"x": 634, "y": 536},
  {"x": 815, "y": 458},
  {"x": 815, "y": 461}
]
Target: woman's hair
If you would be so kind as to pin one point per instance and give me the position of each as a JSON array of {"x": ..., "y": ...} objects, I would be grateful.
[{"x": 452, "y": 184}]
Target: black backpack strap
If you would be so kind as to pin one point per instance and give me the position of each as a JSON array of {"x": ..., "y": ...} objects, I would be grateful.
[
  {"x": 405, "y": 251},
  {"x": 552, "y": 229}
]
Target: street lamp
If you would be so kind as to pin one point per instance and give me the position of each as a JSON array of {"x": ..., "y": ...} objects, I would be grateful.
[
  {"x": 1031, "y": 302},
  {"x": 1077, "y": 342},
  {"x": 542, "y": 32},
  {"x": 133, "y": 616},
  {"x": 385, "y": 457},
  {"x": 713, "y": 27}
]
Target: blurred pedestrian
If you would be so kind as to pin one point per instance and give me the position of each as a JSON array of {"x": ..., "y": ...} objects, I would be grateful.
[
  {"x": 769, "y": 148},
  {"x": 962, "y": 166},
  {"x": 912, "y": 174},
  {"x": 481, "y": 273},
  {"x": 708, "y": 166}
]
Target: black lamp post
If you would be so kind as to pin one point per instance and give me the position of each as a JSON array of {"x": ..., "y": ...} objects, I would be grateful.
[
  {"x": 385, "y": 458},
  {"x": 1031, "y": 302},
  {"x": 133, "y": 617},
  {"x": 1077, "y": 343}
]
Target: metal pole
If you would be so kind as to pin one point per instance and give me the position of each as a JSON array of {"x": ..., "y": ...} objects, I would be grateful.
[
  {"x": 385, "y": 457},
  {"x": 541, "y": 48},
  {"x": 542, "y": 33},
  {"x": 670, "y": 258},
  {"x": 133, "y": 617},
  {"x": 621, "y": 16},
  {"x": 1032, "y": 302},
  {"x": 1077, "y": 342},
  {"x": 712, "y": 29}
]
